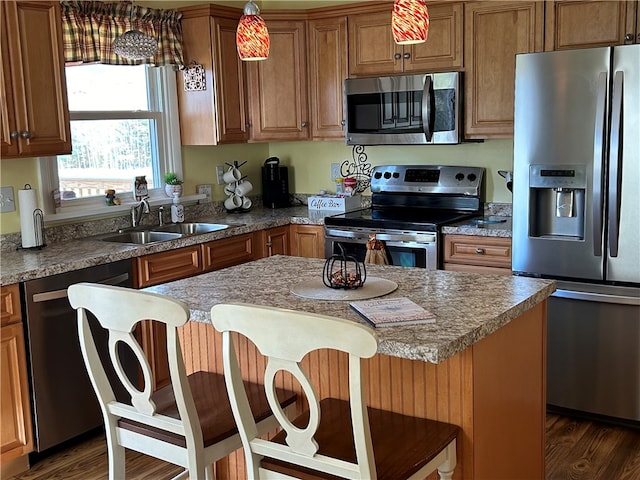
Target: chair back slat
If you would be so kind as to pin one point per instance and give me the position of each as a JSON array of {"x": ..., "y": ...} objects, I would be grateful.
[
  {"x": 285, "y": 337},
  {"x": 119, "y": 310}
]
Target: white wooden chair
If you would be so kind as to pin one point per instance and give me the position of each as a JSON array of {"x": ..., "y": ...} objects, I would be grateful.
[
  {"x": 334, "y": 438},
  {"x": 189, "y": 422}
]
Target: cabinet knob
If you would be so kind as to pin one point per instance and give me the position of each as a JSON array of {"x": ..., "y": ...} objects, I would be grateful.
[
  {"x": 343, "y": 123},
  {"x": 269, "y": 244},
  {"x": 480, "y": 251},
  {"x": 304, "y": 124},
  {"x": 25, "y": 134},
  {"x": 14, "y": 135},
  {"x": 397, "y": 56},
  {"x": 406, "y": 55},
  {"x": 629, "y": 37}
]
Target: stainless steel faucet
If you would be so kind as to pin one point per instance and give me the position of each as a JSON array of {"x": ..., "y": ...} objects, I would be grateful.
[{"x": 138, "y": 210}]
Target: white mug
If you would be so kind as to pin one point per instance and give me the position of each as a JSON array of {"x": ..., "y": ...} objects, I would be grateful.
[
  {"x": 243, "y": 188},
  {"x": 246, "y": 203},
  {"x": 232, "y": 175},
  {"x": 230, "y": 189},
  {"x": 233, "y": 202}
]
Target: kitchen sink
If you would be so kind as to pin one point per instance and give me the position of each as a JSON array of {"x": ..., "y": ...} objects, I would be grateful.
[
  {"x": 191, "y": 228},
  {"x": 140, "y": 237}
]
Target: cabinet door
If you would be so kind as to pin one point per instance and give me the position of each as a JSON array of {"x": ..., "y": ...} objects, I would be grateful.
[
  {"x": 167, "y": 266},
  {"x": 230, "y": 251},
  {"x": 585, "y": 24},
  {"x": 307, "y": 241},
  {"x": 372, "y": 49},
  {"x": 153, "y": 340},
  {"x": 219, "y": 113},
  {"x": 494, "y": 33},
  {"x": 15, "y": 422},
  {"x": 443, "y": 48},
  {"x": 37, "y": 86},
  {"x": 278, "y": 105},
  {"x": 275, "y": 241},
  {"x": 327, "y": 72}
]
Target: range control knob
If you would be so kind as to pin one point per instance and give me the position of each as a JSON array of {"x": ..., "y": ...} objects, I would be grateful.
[
  {"x": 387, "y": 175},
  {"x": 377, "y": 175},
  {"x": 459, "y": 176},
  {"x": 396, "y": 175},
  {"x": 472, "y": 177}
]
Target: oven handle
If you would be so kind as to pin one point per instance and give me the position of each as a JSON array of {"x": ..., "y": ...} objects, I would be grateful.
[{"x": 417, "y": 238}]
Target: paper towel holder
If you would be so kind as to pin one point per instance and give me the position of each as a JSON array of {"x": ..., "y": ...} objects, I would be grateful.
[{"x": 38, "y": 227}]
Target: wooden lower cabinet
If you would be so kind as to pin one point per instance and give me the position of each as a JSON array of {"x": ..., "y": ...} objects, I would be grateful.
[
  {"x": 494, "y": 390},
  {"x": 470, "y": 253},
  {"x": 307, "y": 241},
  {"x": 276, "y": 241},
  {"x": 230, "y": 251},
  {"x": 15, "y": 423}
]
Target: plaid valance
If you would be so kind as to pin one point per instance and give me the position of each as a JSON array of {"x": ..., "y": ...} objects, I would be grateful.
[{"x": 90, "y": 27}]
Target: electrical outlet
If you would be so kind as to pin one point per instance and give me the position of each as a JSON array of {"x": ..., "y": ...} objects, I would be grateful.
[
  {"x": 219, "y": 174},
  {"x": 335, "y": 171},
  {"x": 204, "y": 189},
  {"x": 7, "y": 201}
]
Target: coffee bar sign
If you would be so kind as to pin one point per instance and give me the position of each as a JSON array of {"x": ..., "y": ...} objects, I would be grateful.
[{"x": 334, "y": 204}]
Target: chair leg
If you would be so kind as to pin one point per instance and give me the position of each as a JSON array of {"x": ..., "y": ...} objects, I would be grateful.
[
  {"x": 445, "y": 470},
  {"x": 116, "y": 459}
]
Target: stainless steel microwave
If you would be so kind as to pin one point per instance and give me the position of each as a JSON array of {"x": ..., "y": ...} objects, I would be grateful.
[{"x": 403, "y": 110}]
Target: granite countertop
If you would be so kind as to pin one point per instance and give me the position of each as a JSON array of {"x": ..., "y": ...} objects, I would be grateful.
[
  {"x": 468, "y": 306},
  {"x": 486, "y": 226},
  {"x": 75, "y": 254}
]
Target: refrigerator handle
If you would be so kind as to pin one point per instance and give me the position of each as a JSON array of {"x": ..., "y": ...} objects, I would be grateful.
[
  {"x": 427, "y": 107},
  {"x": 614, "y": 164},
  {"x": 598, "y": 158}
]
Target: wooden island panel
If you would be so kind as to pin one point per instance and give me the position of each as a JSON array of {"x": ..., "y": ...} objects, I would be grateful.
[{"x": 493, "y": 390}]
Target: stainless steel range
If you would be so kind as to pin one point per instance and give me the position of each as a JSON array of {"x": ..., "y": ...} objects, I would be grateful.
[{"x": 409, "y": 205}]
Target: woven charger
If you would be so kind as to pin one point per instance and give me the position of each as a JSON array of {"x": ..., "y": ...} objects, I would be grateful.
[{"x": 317, "y": 290}]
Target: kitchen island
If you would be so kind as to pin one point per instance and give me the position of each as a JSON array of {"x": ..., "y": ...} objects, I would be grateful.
[{"x": 480, "y": 366}]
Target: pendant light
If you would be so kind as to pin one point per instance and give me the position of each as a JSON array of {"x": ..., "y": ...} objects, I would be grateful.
[
  {"x": 135, "y": 45},
  {"x": 410, "y": 21},
  {"x": 252, "y": 36}
]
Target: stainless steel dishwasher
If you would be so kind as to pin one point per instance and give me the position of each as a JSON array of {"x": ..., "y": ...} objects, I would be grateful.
[{"x": 63, "y": 400}]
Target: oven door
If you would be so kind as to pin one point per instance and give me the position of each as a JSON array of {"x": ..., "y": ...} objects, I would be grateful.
[{"x": 403, "y": 249}]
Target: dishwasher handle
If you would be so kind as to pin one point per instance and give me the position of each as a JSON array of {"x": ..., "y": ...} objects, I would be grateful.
[
  {"x": 62, "y": 293},
  {"x": 596, "y": 297}
]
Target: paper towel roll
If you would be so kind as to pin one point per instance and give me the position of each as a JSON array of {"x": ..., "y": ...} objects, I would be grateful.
[{"x": 28, "y": 204}]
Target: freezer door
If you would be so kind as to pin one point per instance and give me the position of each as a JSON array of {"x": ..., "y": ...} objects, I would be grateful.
[
  {"x": 560, "y": 131},
  {"x": 623, "y": 222},
  {"x": 593, "y": 350}
]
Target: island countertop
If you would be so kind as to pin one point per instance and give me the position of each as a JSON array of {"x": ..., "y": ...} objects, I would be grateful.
[{"x": 468, "y": 307}]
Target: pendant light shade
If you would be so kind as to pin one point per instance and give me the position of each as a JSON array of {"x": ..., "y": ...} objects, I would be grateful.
[
  {"x": 135, "y": 45},
  {"x": 410, "y": 21},
  {"x": 252, "y": 36}
]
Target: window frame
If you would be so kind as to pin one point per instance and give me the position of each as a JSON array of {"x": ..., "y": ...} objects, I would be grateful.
[{"x": 163, "y": 101}]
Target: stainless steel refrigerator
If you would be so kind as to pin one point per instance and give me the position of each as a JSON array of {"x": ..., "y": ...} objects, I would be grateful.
[{"x": 576, "y": 218}]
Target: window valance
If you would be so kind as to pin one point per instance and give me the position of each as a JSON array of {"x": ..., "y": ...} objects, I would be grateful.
[{"x": 90, "y": 27}]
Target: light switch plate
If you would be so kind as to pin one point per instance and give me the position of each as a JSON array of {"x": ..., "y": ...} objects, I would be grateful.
[
  {"x": 219, "y": 174},
  {"x": 204, "y": 189},
  {"x": 335, "y": 171},
  {"x": 7, "y": 201}
]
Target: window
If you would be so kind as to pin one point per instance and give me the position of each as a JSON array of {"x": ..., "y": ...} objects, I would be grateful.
[{"x": 123, "y": 125}]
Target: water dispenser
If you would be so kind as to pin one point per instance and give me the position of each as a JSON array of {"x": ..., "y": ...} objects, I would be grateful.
[{"x": 557, "y": 201}]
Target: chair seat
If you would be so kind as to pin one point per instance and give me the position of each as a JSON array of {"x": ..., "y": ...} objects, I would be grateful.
[
  {"x": 212, "y": 404},
  {"x": 401, "y": 444}
]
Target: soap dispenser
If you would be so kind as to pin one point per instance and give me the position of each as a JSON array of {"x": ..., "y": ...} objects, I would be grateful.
[{"x": 177, "y": 210}]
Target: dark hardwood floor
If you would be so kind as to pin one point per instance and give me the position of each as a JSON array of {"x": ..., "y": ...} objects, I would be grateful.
[{"x": 576, "y": 450}]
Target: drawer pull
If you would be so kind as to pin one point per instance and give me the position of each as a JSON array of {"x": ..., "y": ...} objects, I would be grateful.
[{"x": 480, "y": 251}]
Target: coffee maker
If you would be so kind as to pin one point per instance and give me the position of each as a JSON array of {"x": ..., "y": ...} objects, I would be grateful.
[{"x": 275, "y": 184}]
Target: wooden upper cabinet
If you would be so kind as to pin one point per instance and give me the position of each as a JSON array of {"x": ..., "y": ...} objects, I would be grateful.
[
  {"x": 278, "y": 107},
  {"x": 494, "y": 33},
  {"x": 35, "y": 113},
  {"x": 373, "y": 51},
  {"x": 327, "y": 72},
  {"x": 218, "y": 114},
  {"x": 584, "y": 24}
]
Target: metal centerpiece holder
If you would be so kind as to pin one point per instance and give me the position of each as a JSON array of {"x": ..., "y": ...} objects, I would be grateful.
[{"x": 343, "y": 271}]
